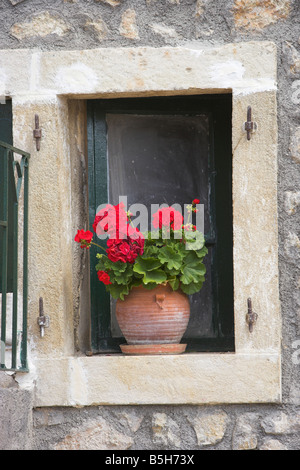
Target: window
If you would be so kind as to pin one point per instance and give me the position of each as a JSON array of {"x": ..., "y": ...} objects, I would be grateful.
[
  {"x": 252, "y": 373},
  {"x": 167, "y": 150}
]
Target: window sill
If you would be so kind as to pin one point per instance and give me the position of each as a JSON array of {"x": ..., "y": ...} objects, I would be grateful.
[{"x": 209, "y": 378}]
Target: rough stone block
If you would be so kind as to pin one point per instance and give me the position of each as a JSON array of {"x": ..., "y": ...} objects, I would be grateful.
[
  {"x": 112, "y": 3},
  {"x": 257, "y": 14},
  {"x": 40, "y": 25},
  {"x": 200, "y": 7},
  {"x": 292, "y": 201},
  {"x": 166, "y": 431},
  {"x": 99, "y": 27},
  {"x": 292, "y": 59},
  {"x": 292, "y": 247},
  {"x": 131, "y": 419},
  {"x": 272, "y": 444},
  {"x": 282, "y": 423},
  {"x": 15, "y": 2},
  {"x": 128, "y": 27},
  {"x": 95, "y": 435},
  {"x": 295, "y": 144},
  {"x": 209, "y": 427},
  {"x": 244, "y": 434},
  {"x": 294, "y": 392},
  {"x": 164, "y": 30}
]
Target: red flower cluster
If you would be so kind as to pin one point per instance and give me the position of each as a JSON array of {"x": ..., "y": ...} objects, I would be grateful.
[
  {"x": 84, "y": 238},
  {"x": 103, "y": 277},
  {"x": 125, "y": 242},
  {"x": 125, "y": 250},
  {"x": 168, "y": 217},
  {"x": 113, "y": 220},
  {"x": 194, "y": 203}
]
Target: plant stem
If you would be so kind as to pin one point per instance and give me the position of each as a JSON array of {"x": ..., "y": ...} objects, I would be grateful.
[{"x": 99, "y": 246}]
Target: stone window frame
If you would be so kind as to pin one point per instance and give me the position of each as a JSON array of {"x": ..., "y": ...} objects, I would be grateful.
[{"x": 54, "y": 84}]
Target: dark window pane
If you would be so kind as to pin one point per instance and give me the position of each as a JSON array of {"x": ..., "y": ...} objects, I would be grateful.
[
  {"x": 164, "y": 160},
  {"x": 158, "y": 160}
]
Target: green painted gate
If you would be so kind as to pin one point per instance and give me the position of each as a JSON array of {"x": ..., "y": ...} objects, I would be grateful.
[{"x": 13, "y": 270}]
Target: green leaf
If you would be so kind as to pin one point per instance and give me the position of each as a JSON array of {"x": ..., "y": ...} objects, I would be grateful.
[
  {"x": 192, "y": 274},
  {"x": 158, "y": 276},
  {"x": 191, "y": 288},
  {"x": 192, "y": 259},
  {"x": 143, "y": 265},
  {"x": 172, "y": 272},
  {"x": 150, "y": 285},
  {"x": 119, "y": 266},
  {"x": 169, "y": 257},
  {"x": 148, "y": 267},
  {"x": 151, "y": 251},
  {"x": 121, "y": 278},
  {"x": 194, "y": 240},
  {"x": 201, "y": 253},
  {"x": 118, "y": 291},
  {"x": 174, "y": 283}
]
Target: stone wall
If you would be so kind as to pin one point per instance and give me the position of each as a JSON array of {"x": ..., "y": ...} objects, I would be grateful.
[
  {"x": 85, "y": 24},
  {"x": 160, "y": 428},
  {"x": 79, "y": 24}
]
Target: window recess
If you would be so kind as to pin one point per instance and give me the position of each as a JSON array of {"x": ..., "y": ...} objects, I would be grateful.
[{"x": 167, "y": 150}]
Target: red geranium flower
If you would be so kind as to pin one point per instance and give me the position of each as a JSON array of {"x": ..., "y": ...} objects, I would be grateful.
[
  {"x": 167, "y": 217},
  {"x": 125, "y": 242},
  {"x": 125, "y": 250},
  {"x": 103, "y": 277},
  {"x": 112, "y": 220},
  {"x": 84, "y": 238}
]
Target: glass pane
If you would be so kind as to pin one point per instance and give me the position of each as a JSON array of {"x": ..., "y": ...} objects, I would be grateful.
[{"x": 164, "y": 159}]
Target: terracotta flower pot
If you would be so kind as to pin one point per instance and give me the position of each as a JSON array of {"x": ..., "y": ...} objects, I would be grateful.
[{"x": 153, "y": 321}]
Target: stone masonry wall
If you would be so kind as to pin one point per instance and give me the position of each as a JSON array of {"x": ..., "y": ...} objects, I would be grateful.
[{"x": 82, "y": 24}]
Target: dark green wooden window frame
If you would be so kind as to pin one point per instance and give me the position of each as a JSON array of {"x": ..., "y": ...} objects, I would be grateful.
[{"x": 219, "y": 110}]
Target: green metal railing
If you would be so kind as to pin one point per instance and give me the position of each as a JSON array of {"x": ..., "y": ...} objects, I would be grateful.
[{"x": 13, "y": 199}]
